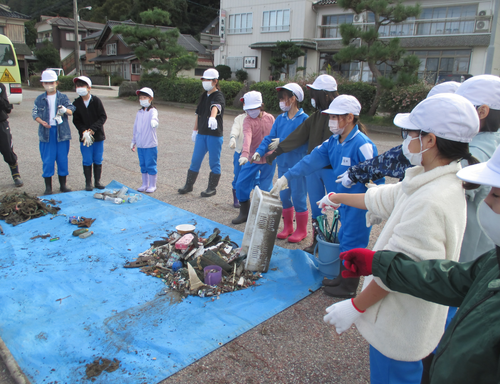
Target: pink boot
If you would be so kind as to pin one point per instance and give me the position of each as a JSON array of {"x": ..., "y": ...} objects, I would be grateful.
[
  {"x": 288, "y": 223},
  {"x": 152, "y": 183},
  {"x": 301, "y": 232},
  {"x": 144, "y": 185}
]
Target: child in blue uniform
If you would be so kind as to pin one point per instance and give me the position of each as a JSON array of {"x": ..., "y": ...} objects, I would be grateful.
[{"x": 290, "y": 95}]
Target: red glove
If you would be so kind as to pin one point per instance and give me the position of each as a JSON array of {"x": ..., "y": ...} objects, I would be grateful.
[{"x": 358, "y": 262}]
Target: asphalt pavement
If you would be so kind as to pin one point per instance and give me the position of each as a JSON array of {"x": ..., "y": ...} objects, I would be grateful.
[{"x": 295, "y": 346}]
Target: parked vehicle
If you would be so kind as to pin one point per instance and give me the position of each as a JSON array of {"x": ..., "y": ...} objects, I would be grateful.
[
  {"x": 59, "y": 71},
  {"x": 10, "y": 75}
]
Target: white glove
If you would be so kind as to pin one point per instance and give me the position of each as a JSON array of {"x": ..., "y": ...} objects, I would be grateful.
[
  {"x": 274, "y": 144},
  {"x": 281, "y": 184},
  {"x": 132, "y": 146},
  {"x": 193, "y": 136},
  {"x": 154, "y": 124},
  {"x": 232, "y": 143},
  {"x": 243, "y": 160},
  {"x": 326, "y": 204},
  {"x": 88, "y": 139},
  {"x": 212, "y": 123},
  {"x": 256, "y": 156},
  {"x": 61, "y": 110},
  {"x": 341, "y": 315},
  {"x": 345, "y": 180}
]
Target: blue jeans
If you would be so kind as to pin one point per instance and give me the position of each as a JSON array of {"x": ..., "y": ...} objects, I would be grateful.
[
  {"x": 93, "y": 154},
  {"x": 296, "y": 193},
  {"x": 147, "y": 160},
  {"x": 246, "y": 179},
  {"x": 204, "y": 144},
  {"x": 52, "y": 152},
  {"x": 384, "y": 370},
  {"x": 319, "y": 184}
]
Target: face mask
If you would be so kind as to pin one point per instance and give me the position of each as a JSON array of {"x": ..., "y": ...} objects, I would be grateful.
[
  {"x": 207, "y": 86},
  {"x": 253, "y": 113},
  {"x": 413, "y": 158},
  {"x": 82, "y": 91},
  {"x": 334, "y": 127},
  {"x": 313, "y": 103},
  {"x": 489, "y": 221},
  {"x": 49, "y": 88},
  {"x": 284, "y": 107},
  {"x": 144, "y": 103}
]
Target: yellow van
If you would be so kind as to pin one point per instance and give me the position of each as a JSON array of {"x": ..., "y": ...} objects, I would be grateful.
[{"x": 10, "y": 75}]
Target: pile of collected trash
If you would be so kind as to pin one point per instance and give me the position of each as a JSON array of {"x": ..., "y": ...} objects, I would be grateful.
[
  {"x": 17, "y": 208},
  {"x": 118, "y": 196},
  {"x": 193, "y": 265}
]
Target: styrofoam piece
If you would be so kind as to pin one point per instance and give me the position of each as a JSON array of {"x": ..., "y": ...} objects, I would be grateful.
[{"x": 184, "y": 241}]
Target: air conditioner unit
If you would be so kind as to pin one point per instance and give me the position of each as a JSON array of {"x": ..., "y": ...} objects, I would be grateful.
[
  {"x": 358, "y": 19},
  {"x": 484, "y": 12},
  {"x": 482, "y": 26}
]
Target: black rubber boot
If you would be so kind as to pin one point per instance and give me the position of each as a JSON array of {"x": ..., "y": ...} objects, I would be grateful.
[
  {"x": 236, "y": 203},
  {"x": 97, "y": 176},
  {"x": 14, "y": 170},
  {"x": 213, "y": 182},
  {"x": 310, "y": 249},
  {"x": 48, "y": 185},
  {"x": 345, "y": 290},
  {"x": 62, "y": 184},
  {"x": 244, "y": 208},
  {"x": 335, "y": 282},
  {"x": 87, "y": 172},
  {"x": 191, "y": 178}
]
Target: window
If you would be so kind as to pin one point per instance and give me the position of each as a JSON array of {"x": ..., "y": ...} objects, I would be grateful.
[
  {"x": 276, "y": 21},
  {"x": 447, "y": 20},
  {"x": 199, "y": 71},
  {"x": 331, "y": 25},
  {"x": 111, "y": 49},
  {"x": 71, "y": 37},
  {"x": 438, "y": 63},
  {"x": 90, "y": 48},
  {"x": 240, "y": 23},
  {"x": 2, "y": 30},
  {"x": 136, "y": 69},
  {"x": 7, "y": 55}
]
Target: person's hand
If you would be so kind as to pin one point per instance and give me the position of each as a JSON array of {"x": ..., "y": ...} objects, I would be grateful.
[
  {"x": 243, "y": 160},
  {"x": 61, "y": 110},
  {"x": 45, "y": 124},
  {"x": 88, "y": 139},
  {"x": 358, "y": 262},
  {"x": 274, "y": 144},
  {"x": 281, "y": 184},
  {"x": 193, "y": 136},
  {"x": 342, "y": 315},
  {"x": 345, "y": 180},
  {"x": 256, "y": 157},
  {"x": 232, "y": 143},
  {"x": 154, "y": 124},
  {"x": 270, "y": 158},
  {"x": 132, "y": 147},
  {"x": 326, "y": 204},
  {"x": 212, "y": 123}
]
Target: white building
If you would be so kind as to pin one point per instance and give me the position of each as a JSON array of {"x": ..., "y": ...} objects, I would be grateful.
[{"x": 450, "y": 37}]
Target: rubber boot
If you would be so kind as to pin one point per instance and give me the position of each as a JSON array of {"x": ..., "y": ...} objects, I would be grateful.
[
  {"x": 97, "y": 176},
  {"x": 152, "y": 183},
  {"x": 236, "y": 203},
  {"x": 243, "y": 216},
  {"x": 345, "y": 290},
  {"x": 14, "y": 170},
  {"x": 62, "y": 184},
  {"x": 87, "y": 172},
  {"x": 213, "y": 182},
  {"x": 301, "y": 220},
  {"x": 335, "y": 282},
  {"x": 144, "y": 185},
  {"x": 191, "y": 178},
  {"x": 287, "y": 223},
  {"x": 48, "y": 185},
  {"x": 310, "y": 249}
]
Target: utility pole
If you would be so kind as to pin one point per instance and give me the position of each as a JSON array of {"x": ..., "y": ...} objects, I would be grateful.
[{"x": 77, "y": 42}]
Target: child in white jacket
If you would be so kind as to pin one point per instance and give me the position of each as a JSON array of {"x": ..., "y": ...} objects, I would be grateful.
[{"x": 236, "y": 143}]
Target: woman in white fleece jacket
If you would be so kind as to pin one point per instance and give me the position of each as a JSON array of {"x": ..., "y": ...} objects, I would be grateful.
[{"x": 426, "y": 216}]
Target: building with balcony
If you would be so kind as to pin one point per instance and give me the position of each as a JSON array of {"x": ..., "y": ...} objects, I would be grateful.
[{"x": 450, "y": 37}]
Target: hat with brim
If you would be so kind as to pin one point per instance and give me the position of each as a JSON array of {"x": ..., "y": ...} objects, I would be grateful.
[
  {"x": 210, "y": 74},
  {"x": 487, "y": 173},
  {"x": 402, "y": 120},
  {"x": 48, "y": 76},
  {"x": 252, "y": 100},
  {"x": 146, "y": 90},
  {"x": 85, "y": 79},
  {"x": 295, "y": 89},
  {"x": 324, "y": 83},
  {"x": 342, "y": 105}
]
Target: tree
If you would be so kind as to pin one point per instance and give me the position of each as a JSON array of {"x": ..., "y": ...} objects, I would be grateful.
[
  {"x": 176, "y": 8},
  {"x": 285, "y": 54},
  {"x": 48, "y": 57},
  {"x": 157, "y": 48},
  {"x": 370, "y": 49}
]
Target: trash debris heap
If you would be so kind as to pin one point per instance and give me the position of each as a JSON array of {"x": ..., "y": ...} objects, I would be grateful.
[{"x": 17, "y": 208}]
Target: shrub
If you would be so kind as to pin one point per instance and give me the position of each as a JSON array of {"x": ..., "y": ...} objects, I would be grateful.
[
  {"x": 364, "y": 92},
  {"x": 116, "y": 80},
  {"x": 269, "y": 94},
  {"x": 66, "y": 83},
  {"x": 404, "y": 99},
  {"x": 224, "y": 72},
  {"x": 35, "y": 81},
  {"x": 241, "y": 75},
  {"x": 230, "y": 89},
  {"x": 180, "y": 90},
  {"x": 151, "y": 80}
]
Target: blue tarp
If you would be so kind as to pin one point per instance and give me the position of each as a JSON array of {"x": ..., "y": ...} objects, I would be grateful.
[{"x": 65, "y": 303}]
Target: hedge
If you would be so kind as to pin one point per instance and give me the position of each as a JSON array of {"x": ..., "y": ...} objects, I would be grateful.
[{"x": 404, "y": 99}]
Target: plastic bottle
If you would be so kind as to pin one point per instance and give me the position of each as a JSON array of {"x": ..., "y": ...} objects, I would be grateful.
[
  {"x": 115, "y": 200},
  {"x": 99, "y": 196},
  {"x": 80, "y": 231},
  {"x": 85, "y": 235},
  {"x": 122, "y": 192},
  {"x": 134, "y": 198}
]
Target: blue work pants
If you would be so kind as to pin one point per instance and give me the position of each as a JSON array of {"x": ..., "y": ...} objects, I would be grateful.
[
  {"x": 93, "y": 154},
  {"x": 296, "y": 193},
  {"x": 52, "y": 152},
  {"x": 384, "y": 370},
  {"x": 319, "y": 183},
  {"x": 246, "y": 179},
  {"x": 204, "y": 144},
  {"x": 147, "y": 160}
]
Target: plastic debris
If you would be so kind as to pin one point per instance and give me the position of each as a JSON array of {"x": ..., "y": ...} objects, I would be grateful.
[{"x": 17, "y": 208}]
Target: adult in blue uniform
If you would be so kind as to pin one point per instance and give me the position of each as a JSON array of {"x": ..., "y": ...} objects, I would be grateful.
[
  {"x": 290, "y": 95},
  {"x": 347, "y": 146}
]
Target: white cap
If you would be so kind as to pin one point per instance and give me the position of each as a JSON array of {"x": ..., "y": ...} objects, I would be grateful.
[
  {"x": 84, "y": 79},
  {"x": 295, "y": 89},
  {"x": 487, "y": 173},
  {"x": 324, "y": 83},
  {"x": 252, "y": 99},
  {"x": 146, "y": 90},
  {"x": 343, "y": 105},
  {"x": 446, "y": 115},
  {"x": 48, "y": 76},
  {"x": 446, "y": 87},
  {"x": 482, "y": 89},
  {"x": 210, "y": 74}
]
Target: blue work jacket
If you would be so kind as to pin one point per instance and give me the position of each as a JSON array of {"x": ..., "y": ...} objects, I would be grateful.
[{"x": 41, "y": 110}]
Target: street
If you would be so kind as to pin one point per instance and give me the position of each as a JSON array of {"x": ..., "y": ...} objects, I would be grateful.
[{"x": 295, "y": 346}]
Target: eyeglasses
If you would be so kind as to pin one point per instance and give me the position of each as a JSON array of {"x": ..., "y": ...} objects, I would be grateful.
[{"x": 404, "y": 132}]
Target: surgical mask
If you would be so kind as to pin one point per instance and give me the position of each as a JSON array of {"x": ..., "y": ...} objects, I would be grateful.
[
  {"x": 49, "y": 88},
  {"x": 334, "y": 127},
  {"x": 253, "y": 113},
  {"x": 284, "y": 107},
  {"x": 413, "y": 158},
  {"x": 489, "y": 221},
  {"x": 313, "y": 103},
  {"x": 144, "y": 103},
  {"x": 207, "y": 86},
  {"x": 82, "y": 91}
]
